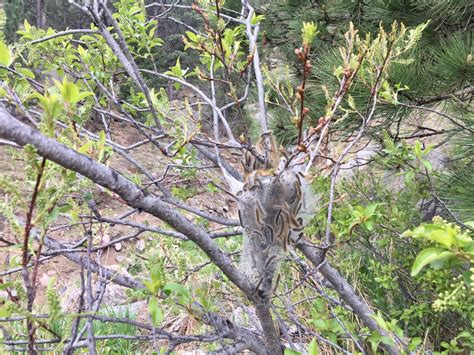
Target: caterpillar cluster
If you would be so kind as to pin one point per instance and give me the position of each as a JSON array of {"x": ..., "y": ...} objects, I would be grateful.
[{"x": 272, "y": 204}]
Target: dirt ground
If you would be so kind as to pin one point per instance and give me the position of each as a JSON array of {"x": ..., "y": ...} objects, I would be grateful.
[{"x": 65, "y": 271}]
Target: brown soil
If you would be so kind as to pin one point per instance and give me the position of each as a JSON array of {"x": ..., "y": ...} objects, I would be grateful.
[{"x": 66, "y": 272}]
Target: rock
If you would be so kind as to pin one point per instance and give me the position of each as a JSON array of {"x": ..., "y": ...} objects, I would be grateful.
[
  {"x": 44, "y": 280},
  {"x": 105, "y": 239},
  {"x": 131, "y": 309},
  {"x": 118, "y": 246},
  {"x": 140, "y": 245},
  {"x": 293, "y": 330}
]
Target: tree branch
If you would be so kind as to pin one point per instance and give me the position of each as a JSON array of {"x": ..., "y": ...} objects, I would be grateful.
[{"x": 13, "y": 130}]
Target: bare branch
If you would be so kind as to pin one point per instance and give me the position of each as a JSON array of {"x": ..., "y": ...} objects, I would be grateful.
[
  {"x": 252, "y": 35},
  {"x": 13, "y": 130}
]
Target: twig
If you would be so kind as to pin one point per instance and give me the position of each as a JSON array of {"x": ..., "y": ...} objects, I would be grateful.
[
  {"x": 429, "y": 109},
  {"x": 30, "y": 283},
  {"x": 252, "y": 35},
  {"x": 62, "y": 33}
]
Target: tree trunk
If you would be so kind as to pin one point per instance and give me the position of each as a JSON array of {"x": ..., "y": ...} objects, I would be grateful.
[{"x": 41, "y": 13}]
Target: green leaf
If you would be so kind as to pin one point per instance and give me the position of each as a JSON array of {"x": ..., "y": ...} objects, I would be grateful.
[
  {"x": 64, "y": 209},
  {"x": 380, "y": 321},
  {"x": 320, "y": 306},
  {"x": 151, "y": 34},
  {"x": 313, "y": 348},
  {"x": 88, "y": 196},
  {"x": 374, "y": 339},
  {"x": 443, "y": 237},
  {"x": 370, "y": 209},
  {"x": 150, "y": 286},
  {"x": 427, "y": 165},
  {"x": 387, "y": 340},
  {"x": 464, "y": 334},
  {"x": 417, "y": 149},
  {"x": 52, "y": 216},
  {"x": 179, "y": 290},
  {"x": 4, "y": 311},
  {"x": 27, "y": 25},
  {"x": 26, "y": 72},
  {"x": 192, "y": 36},
  {"x": 68, "y": 90},
  {"x": 82, "y": 52},
  {"x": 82, "y": 96},
  {"x": 158, "y": 278},
  {"x": 210, "y": 187},
  {"x": 176, "y": 69},
  {"x": 321, "y": 324},
  {"x": 84, "y": 149},
  {"x": 156, "y": 312},
  {"x": 5, "y": 55},
  {"x": 5, "y": 285},
  {"x": 369, "y": 225},
  {"x": 428, "y": 256},
  {"x": 414, "y": 343},
  {"x": 291, "y": 352},
  {"x": 256, "y": 19},
  {"x": 409, "y": 176}
]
